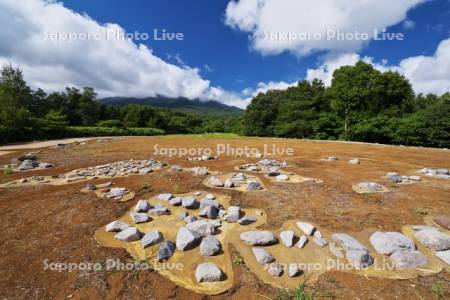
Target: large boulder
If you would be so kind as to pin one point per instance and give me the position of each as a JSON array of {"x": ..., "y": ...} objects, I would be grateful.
[
  {"x": 209, "y": 202},
  {"x": 408, "y": 259},
  {"x": 347, "y": 242},
  {"x": 210, "y": 212},
  {"x": 165, "y": 251},
  {"x": 208, "y": 272},
  {"x": 215, "y": 181},
  {"x": 287, "y": 238},
  {"x": 116, "y": 226},
  {"x": 233, "y": 214},
  {"x": 151, "y": 238},
  {"x": 142, "y": 206},
  {"x": 159, "y": 211},
  {"x": 262, "y": 255},
  {"x": 210, "y": 246},
  {"x": 202, "y": 227},
  {"x": 189, "y": 202},
  {"x": 258, "y": 238},
  {"x": 307, "y": 228},
  {"x": 434, "y": 239},
  {"x": 388, "y": 242},
  {"x": 129, "y": 234},
  {"x": 187, "y": 239}
]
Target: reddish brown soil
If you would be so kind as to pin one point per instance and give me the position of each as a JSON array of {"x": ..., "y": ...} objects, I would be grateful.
[{"x": 57, "y": 223}]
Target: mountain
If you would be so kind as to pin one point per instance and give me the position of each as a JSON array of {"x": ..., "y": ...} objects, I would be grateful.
[{"x": 196, "y": 106}]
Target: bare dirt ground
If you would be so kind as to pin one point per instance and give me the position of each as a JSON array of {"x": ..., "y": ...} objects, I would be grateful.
[{"x": 57, "y": 223}]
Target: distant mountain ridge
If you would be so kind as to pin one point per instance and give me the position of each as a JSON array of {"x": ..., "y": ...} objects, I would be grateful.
[{"x": 195, "y": 106}]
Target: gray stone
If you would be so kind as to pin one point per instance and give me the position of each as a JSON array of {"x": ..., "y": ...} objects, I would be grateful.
[
  {"x": 116, "y": 226},
  {"x": 318, "y": 234},
  {"x": 210, "y": 212},
  {"x": 190, "y": 219},
  {"x": 293, "y": 270},
  {"x": 275, "y": 269},
  {"x": 370, "y": 186},
  {"x": 165, "y": 196},
  {"x": 176, "y": 201},
  {"x": 262, "y": 255},
  {"x": 444, "y": 256},
  {"x": 197, "y": 193},
  {"x": 434, "y": 239},
  {"x": 187, "y": 239},
  {"x": 44, "y": 165},
  {"x": 415, "y": 178},
  {"x": 228, "y": 183},
  {"x": 287, "y": 238},
  {"x": 27, "y": 164},
  {"x": 210, "y": 196},
  {"x": 159, "y": 211},
  {"x": 189, "y": 202},
  {"x": 246, "y": 220},
  {"x": 139, "y": 217},
  {"x": 302, "y": 241},
  {"x": 129, "y": 234},
  {"x": 253, "y": 186},
  {"x": 320, "y": 241},
  {"x": 307, "y": 228},
  {"x": 199, "y": 171},
  {"x": 239, "y": 177},
  {"x": 202, "y": 227},
  {"x": 282, "y": 177},
  {"x": 258, "y": 238},
  {"x": 408, "y": 259},
  {"x": 116, "y": 192},
  {"x": 214, "y": 181},
  {"x": 233, "y": 214},
  {"x": 273, "y": 173},
  {"x": 209, "y": 202},
  {"x": 347, "y": 242},
  {"x": 208, "y": 272},
  {"x": 165, "y": 251},
  {"x": 210, "y": 246},
  {"x": 151, "y": 238},
  {"x": 388, "y": 242},
  {"x": 359, "y": 258},
  {"x": 142, "y": 206}
]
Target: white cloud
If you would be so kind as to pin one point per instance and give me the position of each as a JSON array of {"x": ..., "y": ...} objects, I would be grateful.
[
  {"x": 262, "y": 17},
  {"x": 263, "y": 87},
  {"x": 408, "y": 24},
  {"x": 427, "y": 74},
  {"x": 113, "y": 67}
]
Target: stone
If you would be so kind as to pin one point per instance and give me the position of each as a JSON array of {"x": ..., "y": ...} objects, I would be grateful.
[
  {"x": 200, "y": 171},
  {"x": 209, "y": 202},
  {"x": 359, "y": 258},
  {"x": 246, "y": 220},
  {"x": 176, "y": 201},
  {"x": 258, "y": 238},
  {"x": 151, "y": 238},
  {"x": 44, "y": 165},
  {"x": 215, "y": 182},
  {"x": 335, "y": 250},
  {"x": 354, "y": 161},
  {"x": 187, "y": 239},
  {"x": 443, "y": 221},
  {"x": 370, "y": 186},
  {"x": 320, "y": 241},
  {"x": 210, "y": 212},
  {"x": 239, "y": 177},
  {"x": 287, "y": 238},
  {"x": 262, "y": 256},
  {"x": 27, "y": 164},
  {"x": 189, "y": 202},
  {"x": 415, "y": 178},
  {"x": 275, "y": 269},
  {"x": 282, "y": 177},
  {"x": 302, "y": 241},
  {"x": 145, "y": 171},
  {"x": 142, "y": 206},
  {"x": 222, "y": 213},
  {"x": 253, "y": 186},
  {"x": 408, "y": 259},
  {"x": 273, "y": 173},
  {"x": 347, "y": 242},
  {"x": 317, "y": 234},
  {"x": 165, "y": 251},
  {"x": 395, "y": 179},
  {"x": 197, "y": 193},
  {"x": 129, "y": 234},
  {"x": 228, "y": 183},
  {"x": 139, "y": 217},
  {"x": 444, "y": 256},
  {"x": 176, "y": 168},
  {"x": 90, "y": 187},
  {"x": 202, "y": 227},
  {"x": 208, "y": 272},
  {"x": 159, "y": 211},
  {"x": 210, "y": 246},
  {"x": 210, "y": 196},
  {"x": 388, "y": 242},
  {"x": 116, "y": 226},
  {"x": 233, "y": 214},
  {"x": 165, "y": 196},
  {"x": 190, "y": 219},
  {"x": 116, "y": 192},
  {"x": 307, "y": 228},
  {"x": 293, "y": 270},
  {"x": 434, "y": 239}
]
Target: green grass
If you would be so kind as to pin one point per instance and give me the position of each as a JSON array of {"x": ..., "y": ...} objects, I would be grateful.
[
  {"x": 299, "y": 293},
  {"x": 421, "y": 211},
  {"x": 285, "y": 216},
  {"x": 7, "y": 171},
  {"x": 438, "y": 290},
  {"x": 237, "y": 260}
]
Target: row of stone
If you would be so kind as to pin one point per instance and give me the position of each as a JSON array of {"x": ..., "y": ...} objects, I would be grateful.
[{"x": 235, "y": 181}]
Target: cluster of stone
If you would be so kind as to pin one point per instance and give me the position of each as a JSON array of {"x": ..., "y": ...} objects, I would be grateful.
[
  {"x": 394, "y": 177},
  {"x": 235, "y": 180},
  {"x": 27, "y": 161},
  {"x": 438, "y": 173},
  {"x": 204, "y": 157}
]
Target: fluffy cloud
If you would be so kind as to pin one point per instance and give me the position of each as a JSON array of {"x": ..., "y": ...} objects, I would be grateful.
[
  {"x": 263, "y": 19},
  {"x": 113, "y": 66},
  {"x": 427, "y": 74},
  {"x": 263, "y": 87}
]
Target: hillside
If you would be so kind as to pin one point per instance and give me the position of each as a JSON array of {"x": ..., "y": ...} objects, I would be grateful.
[{"x": 181, "y": 104}]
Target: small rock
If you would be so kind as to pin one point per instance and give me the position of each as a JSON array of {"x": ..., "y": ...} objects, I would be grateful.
[
  {"x": 307, "y": 228},
  {"x": 258, "y": 238},
  {"x": 176, "y": 201},
  {"x": 253, "y": 186},
  {"x": 262, "y": 255},
  {"x": 293, "y": 270},
  {"x": 139, "y": 217},
  {"x": 320, "y": 241},
  {"x": 189, "y": 202},
  {"x": 190, "y": 219},
  {"x": 209, "y": 202},
  {"x": 302, "y": 241},
  {"x": 354, "y": 161},
  {"x": 233, "y": 214},
  {"x": 202, "y": 227},
  {"x": 210, "y": 212},
  {"x": 210, "y": 196},
  {"x": 215, "y": 182},
  {"x": 142, "y": 206},
  {"x": 359, "y": 258},
  {"x": 287, "y": 238},
  {"x": 210, "y": 246},
  {"x": 165, "y": 196},
  {"x": 187, "y": 239},
  {"x": 246, "y": 220},
  {"x": 228, "y": 183},
  {"x": 208, "y": 272},
  {"x": 151, "y": 238},
  {"x": 282, "y": 177},
  {"x": 197, "y": 193},
  {"x": 116, "y": 226},
  {"x": 275, "y": 269},
  {"x": 408, "y": 259},
  {"x": 129, "y": 234},
  {"x": 159, "y": 211},
  {"x": 165, "y": 251}
]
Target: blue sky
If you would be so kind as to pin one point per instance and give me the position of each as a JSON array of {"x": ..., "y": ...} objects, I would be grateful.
[{"x": 223, "y": 56}]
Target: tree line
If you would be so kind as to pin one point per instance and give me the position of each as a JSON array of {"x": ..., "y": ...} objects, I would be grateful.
[
  {"x": 361, "y": 104},
  {"x": 27, "y": 114}
]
